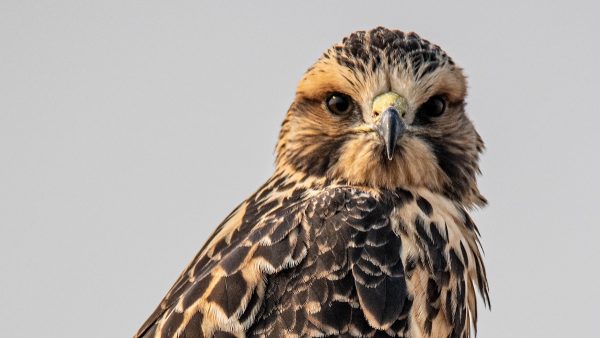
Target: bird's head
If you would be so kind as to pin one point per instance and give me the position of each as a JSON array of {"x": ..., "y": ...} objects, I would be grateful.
[{"x": 384, "y": 109}]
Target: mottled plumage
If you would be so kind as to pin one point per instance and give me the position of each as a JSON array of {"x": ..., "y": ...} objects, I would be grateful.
[{"x": 363, "y": 230}]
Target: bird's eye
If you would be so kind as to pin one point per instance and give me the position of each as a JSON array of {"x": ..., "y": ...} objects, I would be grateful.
[
  {"x": 339, "y": 104},
  {"x": 434, "y": 107}
]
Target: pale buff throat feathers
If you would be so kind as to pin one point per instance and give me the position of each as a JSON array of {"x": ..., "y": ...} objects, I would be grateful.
[{"x": 363, "y": 229}]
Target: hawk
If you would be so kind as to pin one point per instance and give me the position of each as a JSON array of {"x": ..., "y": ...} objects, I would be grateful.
[{"x": 363, "y": 229}]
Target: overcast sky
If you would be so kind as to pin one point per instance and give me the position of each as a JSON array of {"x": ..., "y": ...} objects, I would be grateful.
[{"x": 129, "y": 129}]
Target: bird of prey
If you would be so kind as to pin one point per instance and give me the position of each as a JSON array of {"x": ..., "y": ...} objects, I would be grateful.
[{"x": 363, "y": 229}]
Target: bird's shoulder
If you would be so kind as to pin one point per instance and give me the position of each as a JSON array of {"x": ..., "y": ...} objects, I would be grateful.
[{"x": 224, "y": 283}]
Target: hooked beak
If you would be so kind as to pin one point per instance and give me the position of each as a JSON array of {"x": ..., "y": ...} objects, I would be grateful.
[{"x": 391, "y": 129}]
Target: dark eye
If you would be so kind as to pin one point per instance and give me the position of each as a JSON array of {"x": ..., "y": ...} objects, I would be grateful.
[
  {"x": 339, "y": 104},
  {"x": 434, "y": 107}
]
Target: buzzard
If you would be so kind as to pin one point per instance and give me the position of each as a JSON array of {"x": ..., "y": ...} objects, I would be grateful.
[{"x": 363, "y": 229}]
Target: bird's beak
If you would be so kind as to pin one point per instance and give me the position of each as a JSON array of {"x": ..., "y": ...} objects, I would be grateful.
[
  {"x": 391, "y": 129},
  {"x": 389, "y": 124}
]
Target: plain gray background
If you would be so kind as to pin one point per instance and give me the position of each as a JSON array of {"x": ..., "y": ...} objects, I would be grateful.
[{"x": 129, "y": 129}]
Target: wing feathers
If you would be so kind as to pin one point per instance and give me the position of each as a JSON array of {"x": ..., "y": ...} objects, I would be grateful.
[
  {"x": 330, "y": 265},
  {"x": 222, "y": 290}
]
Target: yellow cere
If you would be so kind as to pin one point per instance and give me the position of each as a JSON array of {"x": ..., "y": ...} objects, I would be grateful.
[{"x": 389, "y": 99}]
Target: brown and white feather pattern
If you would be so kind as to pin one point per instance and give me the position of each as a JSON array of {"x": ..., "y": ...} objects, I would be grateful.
[
  {"x": 344, "y": 241},
  {"x": 330, "y": 261}
]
